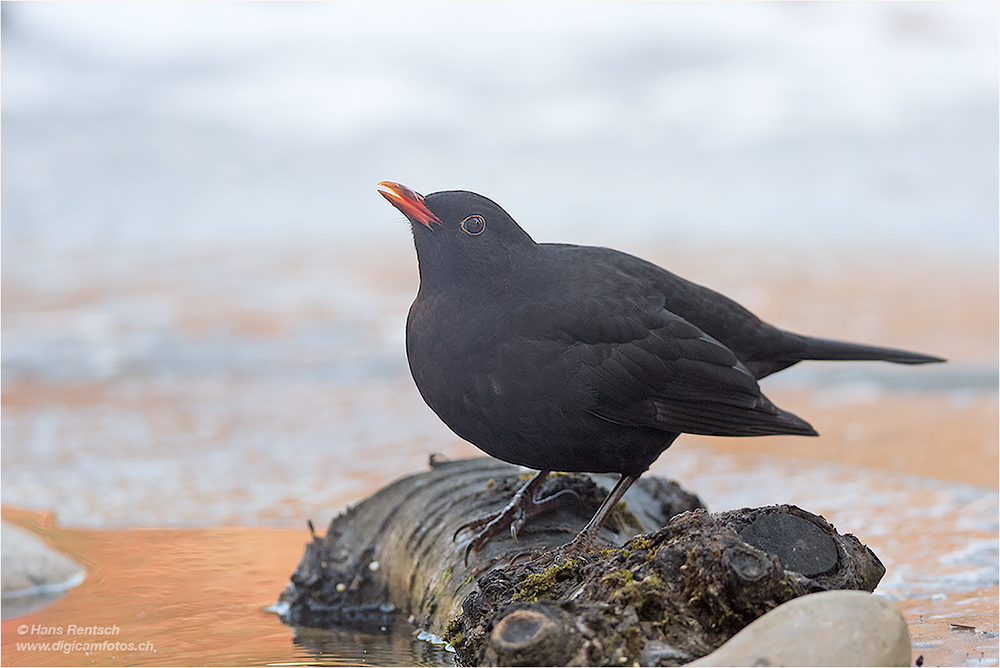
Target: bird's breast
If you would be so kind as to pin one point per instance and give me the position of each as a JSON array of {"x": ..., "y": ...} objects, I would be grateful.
[{"x": 476, "y": 366}]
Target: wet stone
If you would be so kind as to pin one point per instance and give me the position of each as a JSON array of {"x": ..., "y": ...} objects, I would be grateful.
[
  {"x": 34, "y": 574},
  {"x": 659, "y": 653},
  {"x": 798, "y": 544},
  {"x": 833, "y": 628}
]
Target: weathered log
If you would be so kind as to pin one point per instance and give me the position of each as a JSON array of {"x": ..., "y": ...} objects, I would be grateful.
[
  {"x": 394, "y": 552},
  {"x": 665, "y": 597}
]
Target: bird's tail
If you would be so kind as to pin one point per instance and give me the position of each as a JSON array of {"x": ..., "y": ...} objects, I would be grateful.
[
  {"x": 809, "y": 348},
  {"x": 830, "y": 349}
]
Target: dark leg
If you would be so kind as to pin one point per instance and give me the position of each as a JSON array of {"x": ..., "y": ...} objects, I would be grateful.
[
  {"x": 585, "y": 540},
  {"x": 588, "y": 535},
  {"x": 513, "y": 515}
]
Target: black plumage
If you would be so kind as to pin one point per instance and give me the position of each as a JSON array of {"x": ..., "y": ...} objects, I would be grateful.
[{"x": 578, "y": 358}]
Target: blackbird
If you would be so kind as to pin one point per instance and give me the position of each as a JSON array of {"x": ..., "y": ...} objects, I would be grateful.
[{"x": 560, "y": 357}]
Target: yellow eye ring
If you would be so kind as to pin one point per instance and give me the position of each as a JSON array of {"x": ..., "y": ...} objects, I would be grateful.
[{"x": 474, "y": 224}]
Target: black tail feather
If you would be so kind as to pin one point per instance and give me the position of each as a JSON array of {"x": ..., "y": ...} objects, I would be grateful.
[
  {"x": 829, "y": 349},
  {"x": 797, "y": 348}
]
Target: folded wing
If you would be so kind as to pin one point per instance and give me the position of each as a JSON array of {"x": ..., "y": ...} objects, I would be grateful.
[{"x": 652, "y": 368}]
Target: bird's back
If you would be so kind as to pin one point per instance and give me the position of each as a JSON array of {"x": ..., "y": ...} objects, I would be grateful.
[
  {"x": 572, "y": 360},
  {"x": 577, "y": 358},
  {"x": 762, "y": 348}
]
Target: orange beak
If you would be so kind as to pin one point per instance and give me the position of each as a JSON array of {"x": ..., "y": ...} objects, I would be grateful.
[{"x": 410, "y": 202}]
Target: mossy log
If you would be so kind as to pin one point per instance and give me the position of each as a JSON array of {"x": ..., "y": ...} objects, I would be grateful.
[
  {"x": 394, "y": 551},
  {"x": 674, "y": 583}
]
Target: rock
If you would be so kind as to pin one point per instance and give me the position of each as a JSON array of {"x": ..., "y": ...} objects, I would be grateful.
[
  {"x": 32, "y": 574},
  {"x": 832, "y": 628}
]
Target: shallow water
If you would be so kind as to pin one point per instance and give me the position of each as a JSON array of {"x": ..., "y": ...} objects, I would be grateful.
[
  {"x": 166, "y": 398},
  {"x": 190, "y": 597},
  {"x": 200, "y": 596},
  {"x": 172, "y": 397}
]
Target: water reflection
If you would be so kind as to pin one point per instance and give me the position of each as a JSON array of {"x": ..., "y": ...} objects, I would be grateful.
[
  {"x": 397, "y": 645},
  {"x": 201, "y": 596},
  {"x": 189, "y": 597}
]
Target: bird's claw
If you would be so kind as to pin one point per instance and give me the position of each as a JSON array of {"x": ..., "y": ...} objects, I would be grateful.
[
  {"x": 513, "y": 515},
  {"x": 468, "y": 549},
  {"x": 532, "y": 556},
  {"x": 475, "y": 524},
  {"x": 539, "y": 557}
]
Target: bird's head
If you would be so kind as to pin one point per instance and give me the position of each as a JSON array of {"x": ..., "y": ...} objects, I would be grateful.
[{"x": 458, "y": 234}]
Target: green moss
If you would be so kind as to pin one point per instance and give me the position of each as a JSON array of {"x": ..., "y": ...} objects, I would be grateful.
[
  {"x": 542, "y": 585},
  {"x": 619, "y": 647},
  {"x": 453, "y": 635},
  {"x": 611, "y": 645},
  {"x": 633, "y": 643},
  {"x": 645, "y": 595},
  {"x": 641, "y": 543},
  {"x": 619, "y": 578}
]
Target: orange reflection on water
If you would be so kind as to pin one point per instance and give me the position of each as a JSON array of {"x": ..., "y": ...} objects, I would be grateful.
[
  {"x": 959, "y": 629},
  {"x": 198, "y": 596}
]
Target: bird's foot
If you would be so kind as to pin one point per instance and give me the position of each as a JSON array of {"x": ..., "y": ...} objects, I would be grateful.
[
  {"x": 587, "y": 538},
  {"x": 583, "y": 543},
  {"x": 513, "y": 515}
]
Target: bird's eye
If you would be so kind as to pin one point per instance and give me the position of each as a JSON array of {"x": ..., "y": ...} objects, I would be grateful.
[{"x": 474, "y": 225}]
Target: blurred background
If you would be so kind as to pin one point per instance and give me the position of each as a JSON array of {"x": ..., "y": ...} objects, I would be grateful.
[{"x": 204, "y": 296}]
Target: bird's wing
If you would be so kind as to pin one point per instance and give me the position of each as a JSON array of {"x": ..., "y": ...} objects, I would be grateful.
[{"x": 646, "y": 366}]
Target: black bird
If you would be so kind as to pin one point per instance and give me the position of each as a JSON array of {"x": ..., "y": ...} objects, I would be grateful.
[{"x": 575, "y": 358}]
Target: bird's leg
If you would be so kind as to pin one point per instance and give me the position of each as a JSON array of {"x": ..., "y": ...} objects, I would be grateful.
[
  {"x": 585, "y": 540},
  {"x": 514, "y": 514},
  {"x": 522, "y": 500}
]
